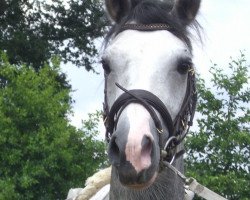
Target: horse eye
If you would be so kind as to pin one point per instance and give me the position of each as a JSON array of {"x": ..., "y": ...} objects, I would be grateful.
[
  {"x": 105, "y": 67},
  {"x": 184, "y": 66}
]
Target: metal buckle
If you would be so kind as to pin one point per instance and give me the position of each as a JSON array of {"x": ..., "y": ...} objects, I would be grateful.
[
  {"x": 159, "y": 131},
  {"x": 192, "y": 71},
  {"x": 167, "y": 145},
  {"x": 105, "y": 120}
]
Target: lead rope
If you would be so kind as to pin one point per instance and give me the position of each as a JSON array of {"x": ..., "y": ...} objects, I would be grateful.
[{"x": 192, "y": 185}]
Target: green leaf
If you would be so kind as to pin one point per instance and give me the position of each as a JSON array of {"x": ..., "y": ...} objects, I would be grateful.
[
  {"x": 218, "y": 152},
  {"x": 42, "y": 156}
]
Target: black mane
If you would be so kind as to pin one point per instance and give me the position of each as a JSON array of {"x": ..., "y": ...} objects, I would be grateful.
[{"x": 155, "y": 12}]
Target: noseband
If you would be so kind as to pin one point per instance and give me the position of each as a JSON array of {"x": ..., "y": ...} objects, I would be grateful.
[{"x": 177, "y": 128}]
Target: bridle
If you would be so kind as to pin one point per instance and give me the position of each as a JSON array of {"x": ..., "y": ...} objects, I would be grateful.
[{"x": 177, "y": 128}]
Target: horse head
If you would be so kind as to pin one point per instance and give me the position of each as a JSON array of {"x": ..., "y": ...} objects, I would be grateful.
[{"x": 148, "y": 77}]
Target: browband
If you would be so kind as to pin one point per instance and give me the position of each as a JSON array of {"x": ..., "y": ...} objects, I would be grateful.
[{"x": 145, "y": 27}]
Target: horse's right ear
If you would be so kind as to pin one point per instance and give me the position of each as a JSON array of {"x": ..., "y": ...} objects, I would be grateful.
[
  {"x": 186, "y": 10},
  {"x": 117, "y": 9}
]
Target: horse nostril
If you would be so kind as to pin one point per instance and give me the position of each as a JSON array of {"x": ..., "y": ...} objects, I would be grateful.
[
  {"x": 114, "y": 151},
  {"x": 147, "y": 144}
]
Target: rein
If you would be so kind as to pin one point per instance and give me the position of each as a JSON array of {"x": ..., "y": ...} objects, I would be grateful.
[{"x": 177, "y": 128}]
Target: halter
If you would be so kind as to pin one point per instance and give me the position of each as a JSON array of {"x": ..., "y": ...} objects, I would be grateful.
[{"x": 177, "y": 128}]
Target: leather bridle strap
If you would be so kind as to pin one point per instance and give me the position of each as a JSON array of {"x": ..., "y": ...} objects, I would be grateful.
[
  {"x": 184, "y": 119},
  {"x": 145, "y": 27},
  {"x": 146, "y": 99},
  {"x": 177, "y": 128}
]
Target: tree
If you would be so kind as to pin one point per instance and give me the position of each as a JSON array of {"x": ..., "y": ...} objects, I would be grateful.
[
  {"x": 32, "y": 31},
  {"x": 42, "y": 156},
  {"x": 218, "y": 153}
]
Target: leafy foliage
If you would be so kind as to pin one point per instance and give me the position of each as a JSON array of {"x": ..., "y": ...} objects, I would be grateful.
[
  {"x": 32, "y": 31},
  {"x": 219, "y": 152},
  {"x": 42, "y": 156}
]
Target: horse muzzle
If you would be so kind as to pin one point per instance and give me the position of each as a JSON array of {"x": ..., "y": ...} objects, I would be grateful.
[{"x": 133, "y": 150}]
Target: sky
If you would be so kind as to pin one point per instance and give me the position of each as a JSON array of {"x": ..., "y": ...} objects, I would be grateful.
[{"x": 226, "y": 32}]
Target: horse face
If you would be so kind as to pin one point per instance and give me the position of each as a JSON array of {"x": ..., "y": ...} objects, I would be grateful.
[
  {"x": 152, "y": 61},
  {"x": 156, "y": 61}
]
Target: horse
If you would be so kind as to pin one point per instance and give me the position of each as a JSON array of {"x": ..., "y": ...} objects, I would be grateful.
[{"x": 150, "y": 95}]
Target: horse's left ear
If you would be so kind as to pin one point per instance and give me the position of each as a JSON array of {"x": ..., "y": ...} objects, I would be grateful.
[
  {"x": 186, "y": 10},
  {"x": 117, "y": 9}
]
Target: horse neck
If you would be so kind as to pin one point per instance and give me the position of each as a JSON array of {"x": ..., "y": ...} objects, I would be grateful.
[{"x": 168, "y": 186}]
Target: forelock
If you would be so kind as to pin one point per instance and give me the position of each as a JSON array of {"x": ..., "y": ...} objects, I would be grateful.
[{"x": 154, "y": 12}]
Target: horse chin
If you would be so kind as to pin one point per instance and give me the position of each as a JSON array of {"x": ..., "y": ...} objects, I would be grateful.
[{"x": 141, "y": 186}]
